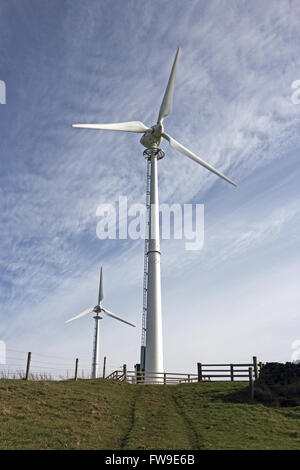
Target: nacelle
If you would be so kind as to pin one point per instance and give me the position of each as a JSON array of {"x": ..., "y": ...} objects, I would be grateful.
[{"x": 152, "y": 138}]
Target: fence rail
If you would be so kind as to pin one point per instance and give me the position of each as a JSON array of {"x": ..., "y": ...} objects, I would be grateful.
[
  {"x": 155, "y": 378},
  {"x": 233, "y": 372},
  {"x": 205, "y": 372}
]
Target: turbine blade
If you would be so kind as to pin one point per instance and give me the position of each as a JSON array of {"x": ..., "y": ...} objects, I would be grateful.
[
  {"x": 176, "y": 145},
  {"x": 166, "y": 105},
  {"x": 132, "y": 126},
  {"x": 86, "y": 312},
  {"x": 110, "y": 314},
  {"x": 100, "y": 296}
]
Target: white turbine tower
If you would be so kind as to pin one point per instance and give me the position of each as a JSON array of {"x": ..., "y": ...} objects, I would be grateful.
[
  {"x": 97, "y": 310},
  {"x": 151, "y": 139}
]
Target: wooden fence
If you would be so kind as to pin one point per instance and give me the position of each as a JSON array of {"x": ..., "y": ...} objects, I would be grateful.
[
  {"x": 206, "y": 372},
  {"x": 228, "y": 372},
  {"x": 152, "y": 378}
]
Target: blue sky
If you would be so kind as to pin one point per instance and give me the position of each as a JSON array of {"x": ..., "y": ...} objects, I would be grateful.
[{"x": 98, "y": 61}]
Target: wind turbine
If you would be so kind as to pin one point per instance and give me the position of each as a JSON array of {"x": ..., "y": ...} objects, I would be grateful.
[
  {"x": 97, "y": 310},
  {"x": 151, "y": 139}
]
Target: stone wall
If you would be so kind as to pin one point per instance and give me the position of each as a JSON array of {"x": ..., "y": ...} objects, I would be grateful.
[{"x": 279, "y": 384}]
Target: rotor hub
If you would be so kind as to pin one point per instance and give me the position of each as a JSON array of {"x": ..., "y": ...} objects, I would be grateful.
[{"x": 152, "y": 138}]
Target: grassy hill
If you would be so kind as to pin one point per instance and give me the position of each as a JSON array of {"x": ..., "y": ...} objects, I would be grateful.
[{"x": 102, "y": 414}]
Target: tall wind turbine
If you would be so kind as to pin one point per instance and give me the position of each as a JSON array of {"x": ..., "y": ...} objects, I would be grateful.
[
  {"x": 97, "y": 310},
  {"x": 151, "y": 139}
]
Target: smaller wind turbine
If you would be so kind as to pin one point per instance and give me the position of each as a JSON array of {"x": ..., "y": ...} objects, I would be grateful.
[{"x": 97, "y": 310}]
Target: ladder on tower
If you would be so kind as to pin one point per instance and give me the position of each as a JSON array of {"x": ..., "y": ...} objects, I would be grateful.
[
  {"x": 95, "y": 348},
  {"x": 145, "y": 281}
]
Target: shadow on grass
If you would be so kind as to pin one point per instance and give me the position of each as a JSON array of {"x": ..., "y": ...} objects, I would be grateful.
[
  {"x": 238, "y": 396},
  {"x": 262, "y": 394}
]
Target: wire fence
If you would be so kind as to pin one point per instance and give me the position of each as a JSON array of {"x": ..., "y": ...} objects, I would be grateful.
[{"x": 47, "y": 367}]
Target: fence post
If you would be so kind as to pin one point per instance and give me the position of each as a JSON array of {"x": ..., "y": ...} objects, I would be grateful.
[
  {"x": 189, "y": 378},
  {"x": 137, "y": 368},
  {"x": 251, "y": 384},
  {"x": 165, "y": 378},
  {"x": 104, "y": 366},
  {"x": 28, "y": 366},
  {"x": 125, "y": 372},
  {"x": 199, "y": 366},
  {"x": 231, "y": 373},
  {"x": 255, "y": 367},
  {"x": 76, "y": 369}
]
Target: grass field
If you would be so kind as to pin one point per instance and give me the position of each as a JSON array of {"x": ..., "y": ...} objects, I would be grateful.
[{"x": 102, "y": 414}]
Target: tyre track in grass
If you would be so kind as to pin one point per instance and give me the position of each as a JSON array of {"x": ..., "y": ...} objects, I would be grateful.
[
  {"x": 158, "y": 421},
  {"x": 125, "y": 439},
  {"x": 193, "y": 435}
]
